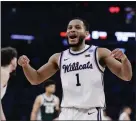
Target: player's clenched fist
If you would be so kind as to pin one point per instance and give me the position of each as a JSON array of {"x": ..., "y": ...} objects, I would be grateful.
[
  {"x": 118, "y": 54},
  {"x": 23, "y": 60}
]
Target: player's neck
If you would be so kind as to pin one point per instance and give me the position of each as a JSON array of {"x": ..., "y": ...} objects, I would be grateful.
[
  {"x": 82, "y": 46},
  {"x": 48, "y": 94},
  {"x": 6, "y": 69},
  {"x": 5, "y": 74}
]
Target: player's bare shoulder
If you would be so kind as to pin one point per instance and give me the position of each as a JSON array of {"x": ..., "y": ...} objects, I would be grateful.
[
  {"x": 103, "y": 52},
  {"x": 56, "y": 98},
  {"x": 55, "y": 58}
]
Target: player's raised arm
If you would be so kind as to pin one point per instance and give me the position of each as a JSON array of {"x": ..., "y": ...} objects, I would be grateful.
[
  {"x": 43, "y": 73},
  {"x": 35, "y": 109},
  {"x": 121, "y": 69}
]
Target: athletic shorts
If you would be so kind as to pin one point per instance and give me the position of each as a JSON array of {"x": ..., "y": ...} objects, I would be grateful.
[{"x": 81, "y": 114}]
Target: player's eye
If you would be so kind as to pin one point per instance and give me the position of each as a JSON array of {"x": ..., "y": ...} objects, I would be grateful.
[
  {"x": 69, "y": 27},
  {"x": 77, "y": 27}
]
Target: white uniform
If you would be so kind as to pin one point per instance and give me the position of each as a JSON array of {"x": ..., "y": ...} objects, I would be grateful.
[
  {"x": 123, "y": 116},
  {"x": 3, "y": 91},
  {"x": 4, "y": 80},
  {"x": 49, "y": 103},
  {"x": 106, "y": 118},
  {"x": 82, "y": 83}
]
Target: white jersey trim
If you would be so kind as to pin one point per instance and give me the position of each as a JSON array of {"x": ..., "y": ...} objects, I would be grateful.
[
  {"x": 59, "y": 60},
  {"x": 80, "y": 52},
  {"x": 102, "y": 69}
]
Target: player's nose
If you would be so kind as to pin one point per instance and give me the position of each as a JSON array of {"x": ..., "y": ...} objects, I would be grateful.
[{"x": 72, "y": 31}]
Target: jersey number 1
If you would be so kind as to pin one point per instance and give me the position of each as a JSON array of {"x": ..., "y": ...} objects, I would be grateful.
[{"x": 78, "y": 83}]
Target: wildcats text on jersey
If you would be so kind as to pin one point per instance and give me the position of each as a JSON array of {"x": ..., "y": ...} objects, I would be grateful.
[
  {"x": 81, "y": 79},
  {"x": 76, "y": 66}
]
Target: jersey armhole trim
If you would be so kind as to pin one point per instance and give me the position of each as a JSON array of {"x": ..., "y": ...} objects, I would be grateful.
[
  {"x": 60, "y": 60},
  {"x": 101, "y": 69}
]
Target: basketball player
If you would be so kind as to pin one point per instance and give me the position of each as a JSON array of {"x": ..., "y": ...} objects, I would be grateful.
[
  {"x": 46, "y": 106},
  {"x": 125, "y": 115},
  {"x": 8, "y": 66},
  {"x": 81, "y": 70}
]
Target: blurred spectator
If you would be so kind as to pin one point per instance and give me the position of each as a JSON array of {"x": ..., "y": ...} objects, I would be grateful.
[{"x": 125, "y": 114}]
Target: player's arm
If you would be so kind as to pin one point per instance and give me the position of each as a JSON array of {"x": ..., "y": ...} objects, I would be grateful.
[
  {"x": 57, "y": 108},
  {"x": 36, "y": 107},
  {"x": 57, "y": 104},
  {"x": 43, "y": 73},
  {"x": 121, "y": 69},
  {"x": 2, "y": 113}
]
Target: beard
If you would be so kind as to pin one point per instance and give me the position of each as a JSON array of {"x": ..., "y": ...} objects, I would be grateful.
[{"x": 81, "y": 39}]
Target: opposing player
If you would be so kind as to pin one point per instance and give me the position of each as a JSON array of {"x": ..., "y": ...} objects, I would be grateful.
[
  {"x": 81, "y": 70},
  {"x": 46, "y": 105},
  {"x": 8, "y": 66}
]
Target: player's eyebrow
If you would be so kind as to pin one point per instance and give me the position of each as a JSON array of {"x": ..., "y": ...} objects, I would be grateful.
[{"x": 74, "y": 25}]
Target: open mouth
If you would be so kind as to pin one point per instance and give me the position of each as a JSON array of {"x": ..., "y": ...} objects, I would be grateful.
[{"x": 73, "y": 36}]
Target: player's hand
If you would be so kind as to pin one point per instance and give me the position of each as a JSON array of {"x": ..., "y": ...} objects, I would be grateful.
[
  {"x": 23, "y": 60},
  {"x": 118, "y": 54}
]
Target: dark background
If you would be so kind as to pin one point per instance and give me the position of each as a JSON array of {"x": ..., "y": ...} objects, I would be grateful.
[{"x": 45, "y": 21}]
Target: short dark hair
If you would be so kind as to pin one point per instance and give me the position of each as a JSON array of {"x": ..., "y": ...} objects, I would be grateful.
[
  {"x": 7, "y": 54},
  {"x": 86, "y": 24},
  {"x": 48, "y": 83},
  {"x": 125, "y": 107}
]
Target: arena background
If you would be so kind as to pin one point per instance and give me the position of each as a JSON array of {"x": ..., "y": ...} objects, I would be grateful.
[{"x": 37, "y": 29}]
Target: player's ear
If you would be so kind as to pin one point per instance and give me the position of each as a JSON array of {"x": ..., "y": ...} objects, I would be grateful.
[
  {"x": 12, "y": 61},
  {"x": 66, "y": 34},
  {"x": 87, "y": 33}
]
